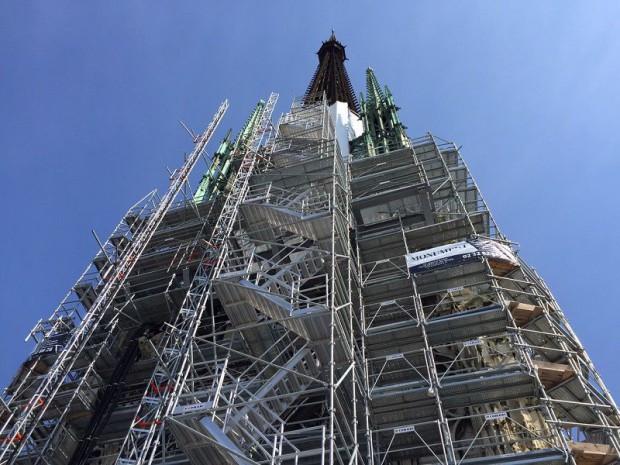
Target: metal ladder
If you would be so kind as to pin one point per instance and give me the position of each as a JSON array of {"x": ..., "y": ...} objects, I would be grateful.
[
  {"x": 164, "y": 387},
  {"x": 28, "y": 419}
]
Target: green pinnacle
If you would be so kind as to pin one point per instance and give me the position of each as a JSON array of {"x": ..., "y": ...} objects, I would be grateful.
[
  {"x": 383, "y": 131},
  {"x": 222, "y": 166}
]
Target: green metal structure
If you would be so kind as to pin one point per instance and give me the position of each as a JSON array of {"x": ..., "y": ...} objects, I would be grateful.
[
  {"x": 217, "y": 177},
  {"x": 383, "y": 131}
]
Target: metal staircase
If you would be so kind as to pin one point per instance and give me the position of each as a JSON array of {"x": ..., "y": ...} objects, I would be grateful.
[
  {"x": 242, "y": 416},
  {"x": 166, "y": 383}
]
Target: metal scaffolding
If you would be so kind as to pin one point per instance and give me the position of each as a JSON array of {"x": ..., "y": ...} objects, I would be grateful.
[
  {"x": 63, "y": 379},
  {"x": 311, "y": 304},
  {"x": 466, "y": 363},
  {"x": 275, "y": 379}
]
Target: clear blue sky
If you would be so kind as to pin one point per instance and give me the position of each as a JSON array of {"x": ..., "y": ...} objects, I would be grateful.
[{"x": 91, "y": 94}]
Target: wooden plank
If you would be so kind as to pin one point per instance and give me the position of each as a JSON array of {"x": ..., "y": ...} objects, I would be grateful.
[
  {"x": 587, "y": 453},
  {"x": 523, "y": 313},
  {"x": 552, "y": 374},
  {"x": 501, "y": 268}
]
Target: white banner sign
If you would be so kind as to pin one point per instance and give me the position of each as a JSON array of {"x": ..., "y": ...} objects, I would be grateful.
[
  {"x": 180, "y": 409},
  {"x": 475, "y": 342},
  {"x": 404, "y": 429},
  {"x": 459, "y": 252}
]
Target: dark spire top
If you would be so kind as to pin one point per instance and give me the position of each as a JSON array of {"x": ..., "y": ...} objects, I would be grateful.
[{"x": 331, "y": 76}]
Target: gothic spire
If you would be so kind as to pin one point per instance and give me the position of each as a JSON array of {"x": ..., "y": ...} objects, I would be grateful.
[
  {"x": 331, "y": 76},
  {"x": 374, "y": 95},
  {"x": 218, "y": 174},
  {"x": 383, "y": 131}
]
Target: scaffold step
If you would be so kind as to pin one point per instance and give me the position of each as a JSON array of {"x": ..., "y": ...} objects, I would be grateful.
[
  {"x": 293, "y": 318},
  {"x": 246, "y": 423},
  {"x": 306, "y": 318},
  {"x": 551, "y": 456},
  {"x": 376, "y": 192},
  {"x": 284, "y": 382},
  {"x": 33, "y": 367},
  {"x": 551, "y": 347},
  {"x": 120, "y": 241},
  {"x": 102, "y": 263},
  {"x": 466, "y": 325},
  {"x": 414, "y": 407},
  {"x": 259, "y": 217},
  {"x": 446, "y": 231},
  {"x": 305, "y": 128},
  {"x": 487, "y": 388},
  {"x": 572, "y": 396},
  {"x": 385, "y": 161},
  {"x": 86, "y": 294},
  {"x": 414, "y": 391},
  {"x": 134, "y": 222},
  {"x": 198, "y": 439}
]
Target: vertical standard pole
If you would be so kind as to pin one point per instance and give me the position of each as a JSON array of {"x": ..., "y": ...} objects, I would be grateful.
[
  {"x": 446, "y": 438},
  {"x": 323, "y": 447},
  {"x": 51, "y": 384},
  {"x": 332, "y": 301},
  {"x": 354, "y": 358}
]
